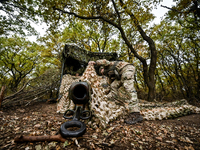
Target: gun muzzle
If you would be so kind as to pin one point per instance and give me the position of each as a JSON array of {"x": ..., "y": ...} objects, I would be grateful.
[{"x": 79, "y": 92}]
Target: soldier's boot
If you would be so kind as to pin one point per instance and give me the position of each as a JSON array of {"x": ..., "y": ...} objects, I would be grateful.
[{"x": 134, "y": 117}]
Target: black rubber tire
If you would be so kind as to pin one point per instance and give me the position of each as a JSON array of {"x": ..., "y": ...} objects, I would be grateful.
[{"x": 73, "y": 123}]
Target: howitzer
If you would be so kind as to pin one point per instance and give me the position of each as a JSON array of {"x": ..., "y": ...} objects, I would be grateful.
[{"x": 80, "y": 94}]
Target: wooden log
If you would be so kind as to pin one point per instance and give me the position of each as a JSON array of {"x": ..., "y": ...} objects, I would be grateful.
[{"x": 43, "y": 138}]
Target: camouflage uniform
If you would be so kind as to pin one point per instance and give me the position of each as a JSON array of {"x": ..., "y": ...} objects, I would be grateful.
[{"x": 126, "y": 72}]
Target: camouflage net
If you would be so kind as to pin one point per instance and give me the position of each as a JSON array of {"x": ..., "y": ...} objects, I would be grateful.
[
  {"x": 64, "y": 102},
  {"x": 103, "y": 110},
  {"x": 160, "y": 111},
  {"x": 106, "y": 111}
]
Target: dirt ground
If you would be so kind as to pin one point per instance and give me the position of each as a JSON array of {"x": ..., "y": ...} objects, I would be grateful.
[{"x": 41, "y": 119}]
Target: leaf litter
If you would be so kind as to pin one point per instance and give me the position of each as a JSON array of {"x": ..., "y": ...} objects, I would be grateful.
[{"x": 41, "y": 119}]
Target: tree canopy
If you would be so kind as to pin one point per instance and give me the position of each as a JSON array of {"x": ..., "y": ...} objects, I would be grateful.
[
  {"x": 17, "y": 16},
  {"x": 18, "y": 58},
  {"x": 127, "y": 18},
  {"x": 166, "y": 55}
]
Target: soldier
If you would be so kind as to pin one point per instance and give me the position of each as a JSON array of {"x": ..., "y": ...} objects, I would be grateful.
[{"x": 121, "y": 74}]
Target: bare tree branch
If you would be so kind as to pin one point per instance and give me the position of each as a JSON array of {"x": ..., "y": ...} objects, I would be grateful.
[
  {"x": 17, "y": 91},
  {"x": 119, "y": 18},
  {"x": 39, "y": 138},
  {"x": 172, "y": 9}
]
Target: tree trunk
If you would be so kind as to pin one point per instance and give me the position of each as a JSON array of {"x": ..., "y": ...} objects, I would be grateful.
[
  {"x": 2, "y": 94},
  {"x": 149, "y": 78},
  {"x": 151, "y": 93}
]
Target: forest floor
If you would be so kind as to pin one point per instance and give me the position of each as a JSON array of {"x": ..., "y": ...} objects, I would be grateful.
[{"x": 41, "y": 119}]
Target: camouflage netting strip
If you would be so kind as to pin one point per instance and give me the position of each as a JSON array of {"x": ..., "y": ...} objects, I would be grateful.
[
  {"x": 64, "y": 102},
  {"x": 103, "y": 110},
  {"x": 160, "y": 111}
]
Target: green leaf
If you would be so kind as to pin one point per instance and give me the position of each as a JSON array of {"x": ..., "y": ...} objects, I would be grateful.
[{"x": 66, "y": 143}]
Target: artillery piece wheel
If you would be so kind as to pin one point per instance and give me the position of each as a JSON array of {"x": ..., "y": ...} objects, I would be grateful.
[{"x": 73, "y": 123}]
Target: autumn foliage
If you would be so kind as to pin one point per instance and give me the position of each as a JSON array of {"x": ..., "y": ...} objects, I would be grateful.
[{"x": 166, "y": 55}]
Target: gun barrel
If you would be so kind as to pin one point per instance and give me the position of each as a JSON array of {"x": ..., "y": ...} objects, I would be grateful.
[{"x": 79, "y": 92}]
